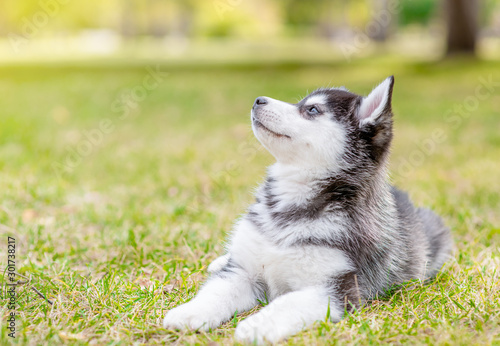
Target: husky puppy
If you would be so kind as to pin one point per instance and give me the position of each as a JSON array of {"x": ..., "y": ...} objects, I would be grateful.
[{"x": 327, "y": 231}]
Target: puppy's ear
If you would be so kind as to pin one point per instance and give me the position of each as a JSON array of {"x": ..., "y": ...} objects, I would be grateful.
[{"x": 377, "y": 105}]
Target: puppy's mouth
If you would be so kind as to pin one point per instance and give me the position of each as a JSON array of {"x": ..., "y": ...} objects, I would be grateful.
[{"x": 262, "y": 126}]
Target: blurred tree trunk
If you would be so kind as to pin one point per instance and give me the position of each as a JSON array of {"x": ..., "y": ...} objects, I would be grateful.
[
  {"x": 186, "y": 18},
  {"x": 128, "y": 28},
  {"x": 344, "y": 9},
  {"x": 462, "y": 23},
  {"x": 156, "y": 25},
  {"x": 382, "y": 19}
]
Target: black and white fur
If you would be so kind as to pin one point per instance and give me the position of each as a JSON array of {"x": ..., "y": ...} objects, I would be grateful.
[{"x": 327, "y": 231}]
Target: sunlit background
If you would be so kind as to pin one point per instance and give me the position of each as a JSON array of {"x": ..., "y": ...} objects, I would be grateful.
[{"x": 231, "y": 29}]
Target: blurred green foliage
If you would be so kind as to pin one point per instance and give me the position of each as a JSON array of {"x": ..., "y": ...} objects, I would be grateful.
[
  {"x": 214, "y": 18},
  {"x": 417, "y": 12}
]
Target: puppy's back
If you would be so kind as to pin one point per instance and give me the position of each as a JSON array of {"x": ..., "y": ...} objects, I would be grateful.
[{"x": 429, "y": 230}]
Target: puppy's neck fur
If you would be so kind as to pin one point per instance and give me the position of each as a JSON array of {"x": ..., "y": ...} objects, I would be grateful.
[
  {"x": 297, "y": 182},
  {"x": 299, "y": 186}
]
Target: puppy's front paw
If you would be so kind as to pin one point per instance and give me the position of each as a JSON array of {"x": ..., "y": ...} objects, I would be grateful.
[
  {"x": 248, "y": 332},
  {"x": 258, "y": 329},
  {"x": 191, "y": 316}
]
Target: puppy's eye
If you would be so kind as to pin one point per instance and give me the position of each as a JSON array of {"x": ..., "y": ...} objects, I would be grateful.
[{"x": 313, "y": 110}]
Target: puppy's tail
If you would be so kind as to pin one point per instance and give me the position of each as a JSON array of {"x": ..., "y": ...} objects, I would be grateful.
[{"x": 439, "y": 240}]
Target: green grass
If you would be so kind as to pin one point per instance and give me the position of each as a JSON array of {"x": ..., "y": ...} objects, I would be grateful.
[{"x": 128, "y": 232}]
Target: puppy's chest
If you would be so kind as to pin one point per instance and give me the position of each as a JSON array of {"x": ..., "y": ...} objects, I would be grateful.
[
  {"x": 289, "y": 225},
  {"x": 284, "y": 268}
]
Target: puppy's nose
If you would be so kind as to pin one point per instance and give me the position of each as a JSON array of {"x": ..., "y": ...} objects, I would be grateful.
[{"x": 260, "y": 101}]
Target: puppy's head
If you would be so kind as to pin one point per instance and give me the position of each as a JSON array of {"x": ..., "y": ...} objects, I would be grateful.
[{"x": 327, "y": 129}]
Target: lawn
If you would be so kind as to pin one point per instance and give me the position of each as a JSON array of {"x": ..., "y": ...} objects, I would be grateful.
[{"x": 120, "y": 181}]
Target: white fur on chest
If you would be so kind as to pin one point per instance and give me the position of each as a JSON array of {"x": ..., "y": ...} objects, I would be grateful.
[
  {"x": 283, "y": 269},
  {"x": 295, "y": 189}
]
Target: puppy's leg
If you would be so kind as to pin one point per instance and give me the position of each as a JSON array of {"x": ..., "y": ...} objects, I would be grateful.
[
  {"x": 219, "y": 298},
  {"x": 287, "y": 315},
  {"x": 219, "y": 263}
]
